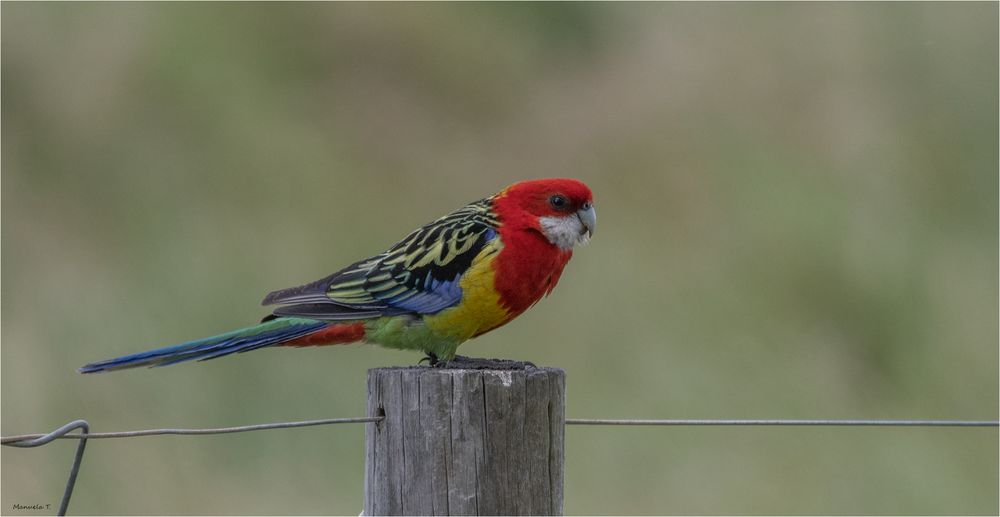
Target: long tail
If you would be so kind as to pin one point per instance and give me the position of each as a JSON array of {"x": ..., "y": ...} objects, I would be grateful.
[{"x": 279, "y": 331}]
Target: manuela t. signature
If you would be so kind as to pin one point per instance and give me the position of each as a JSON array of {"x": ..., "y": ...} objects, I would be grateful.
[{"x": 31, "y": 506}]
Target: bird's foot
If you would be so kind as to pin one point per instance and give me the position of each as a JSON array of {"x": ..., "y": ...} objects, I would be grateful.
[
  {"x": 432, "y": 360},
  {"x": 460, "y": 362}
]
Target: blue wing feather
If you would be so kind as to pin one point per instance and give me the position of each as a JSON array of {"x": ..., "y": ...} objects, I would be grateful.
[{"x": 435, "y": 296}]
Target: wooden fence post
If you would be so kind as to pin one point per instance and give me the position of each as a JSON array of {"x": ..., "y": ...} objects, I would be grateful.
[{"x": 465, "y": 442}]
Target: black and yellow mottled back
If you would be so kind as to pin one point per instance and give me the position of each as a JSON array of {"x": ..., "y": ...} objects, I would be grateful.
[{"x": 418, "y": 275}]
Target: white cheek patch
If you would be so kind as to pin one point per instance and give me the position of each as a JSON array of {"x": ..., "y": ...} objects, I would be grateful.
[{"x": 565, "y": 231}]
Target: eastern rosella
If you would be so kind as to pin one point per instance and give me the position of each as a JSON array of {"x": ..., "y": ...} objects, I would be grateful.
[{"x": 460, "y": 276}]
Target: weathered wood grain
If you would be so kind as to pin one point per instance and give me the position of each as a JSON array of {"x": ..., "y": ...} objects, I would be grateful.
[{"x": 465, "y": 442}]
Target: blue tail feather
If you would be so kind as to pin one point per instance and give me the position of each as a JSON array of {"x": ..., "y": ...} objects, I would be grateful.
[{"x": 265, "y": 334}]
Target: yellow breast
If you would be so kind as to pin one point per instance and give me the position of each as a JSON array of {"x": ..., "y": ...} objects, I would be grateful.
[{"x": 480, "y": 309}]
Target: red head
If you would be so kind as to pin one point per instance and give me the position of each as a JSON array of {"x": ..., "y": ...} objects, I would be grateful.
[{"x": 561, "y": 209}]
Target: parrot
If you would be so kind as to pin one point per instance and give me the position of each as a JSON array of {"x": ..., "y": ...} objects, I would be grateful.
[{"x": 448, "y": 281}]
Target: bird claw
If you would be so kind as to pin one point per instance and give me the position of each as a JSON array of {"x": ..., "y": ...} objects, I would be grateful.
[{"x": 434, "y": 361}]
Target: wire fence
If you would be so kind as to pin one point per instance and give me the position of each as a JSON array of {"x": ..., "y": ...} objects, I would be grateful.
[
  {"x": 13, "y": 440},
  {"x": 36, "y": 440},
  {"x": 77, "y": 458}
]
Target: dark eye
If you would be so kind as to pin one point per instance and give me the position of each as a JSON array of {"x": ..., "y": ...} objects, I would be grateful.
[{"x": 558, "y": 202}]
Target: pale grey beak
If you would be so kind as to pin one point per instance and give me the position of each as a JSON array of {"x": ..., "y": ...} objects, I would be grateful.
[{"x": 588, "y": 217}]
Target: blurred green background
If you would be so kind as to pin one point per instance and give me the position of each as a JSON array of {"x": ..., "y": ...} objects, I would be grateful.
[{"x": 798, "y": 219}]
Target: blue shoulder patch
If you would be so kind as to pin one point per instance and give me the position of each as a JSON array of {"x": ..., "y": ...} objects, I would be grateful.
[{"x": 436, "y": 296}]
